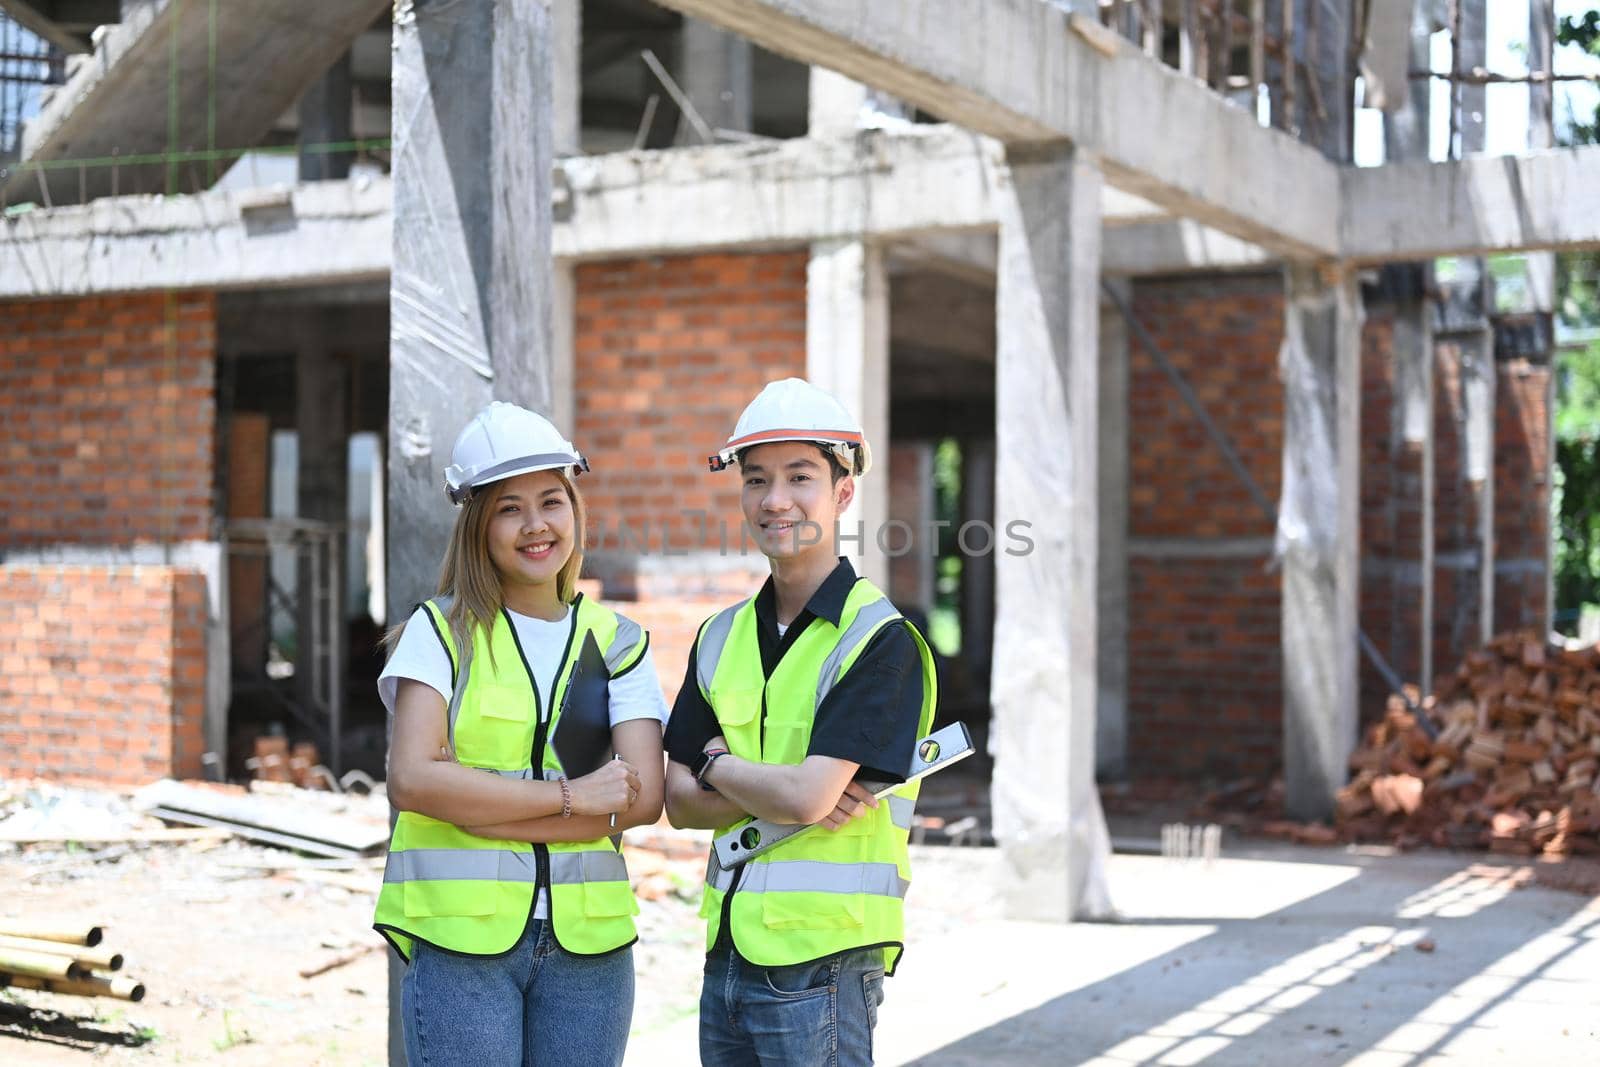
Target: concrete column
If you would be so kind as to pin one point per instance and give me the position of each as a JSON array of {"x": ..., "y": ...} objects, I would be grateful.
[
  {"x": 566, "y": 78},
  {"x": 469, "y": 294},
  {"x": 714, "y": 70},
  {"x": 325, "y": 118},
  {"x": 1318, "y": 539},
  {"x": 1047, "y": 814},
  {"x": 563, "y": 347},
  {"x": 839, "y": 106},
  {"x": 1406, "y": 131},
  {"x": 469, "y": 287},
  {"x": 1542, "y": 265},
  {"x": 1474, "y": 52},
  {"x": 834, "y": 106},
  {"x": 322, "y": 421},
  {"x": 1111, "y": 716},
  {"x": 847, "y": 353},
  {"x": 911, "y": 540},
  {"x": 1413, "y": 431},
  {"x": 977, "y": 569}
]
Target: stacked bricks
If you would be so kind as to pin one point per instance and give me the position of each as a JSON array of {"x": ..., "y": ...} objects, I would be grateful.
[
  {"x": 1205, "y": 688},
  {"x": 108, "y": 409},
  {"x": 102, "y": 673}
]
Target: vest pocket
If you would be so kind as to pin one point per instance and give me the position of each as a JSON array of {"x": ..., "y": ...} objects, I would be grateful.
[
  {"x": 608, "y": 900},
  {"x": 735, "y": 706},
  {"x": 497, "y": 730},
  {"x": 450, "y": 899},
  {"x": 812, "y": 911}
]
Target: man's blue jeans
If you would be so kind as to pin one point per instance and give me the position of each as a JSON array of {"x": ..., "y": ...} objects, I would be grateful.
[
  {"x": 535, "y": 1004},
  {"x": 815, "y": 1014}
]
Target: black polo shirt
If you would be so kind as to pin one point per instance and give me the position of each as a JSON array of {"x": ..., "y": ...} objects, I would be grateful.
[{"x": 870, "y": 717}]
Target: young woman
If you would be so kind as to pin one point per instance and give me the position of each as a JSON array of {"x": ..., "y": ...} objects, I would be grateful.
[{"x": 505, "y": 890}]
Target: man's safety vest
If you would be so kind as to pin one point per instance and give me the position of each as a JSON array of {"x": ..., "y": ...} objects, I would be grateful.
[
  {"x": 822, "y": 892},
  {"x": 472, "y": 895}
]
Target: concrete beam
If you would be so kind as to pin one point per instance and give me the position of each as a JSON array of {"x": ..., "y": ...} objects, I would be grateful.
[
  {"x": 1318, "y": 538},
  {"x": 1547, "y": 200},
  {"x": 1177, "y": 246},
  {"x": 1047, "y": 815},
  {"x": 170, "y": 78},
  {"x": 1019, "y": 71},
  {"x": 322, "y": 233},
  {"x": 785, "y": 193}
]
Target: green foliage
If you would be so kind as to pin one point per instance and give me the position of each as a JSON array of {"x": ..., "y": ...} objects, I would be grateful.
[{"x": 1584, "y": 32}]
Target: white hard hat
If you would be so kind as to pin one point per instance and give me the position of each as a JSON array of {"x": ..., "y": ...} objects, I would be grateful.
[
  {"x": 795, "y": 410},
  {"x": 503, "y": 441}
]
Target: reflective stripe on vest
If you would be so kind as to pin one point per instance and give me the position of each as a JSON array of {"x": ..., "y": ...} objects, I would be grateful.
[
  {"x": 624, "y": 644},
  {"x": 712, "y": 640},
  {"x": 499, "y": 865},
  {"x": 817, "y": 876},
  {"x": 868, "y": 619}
]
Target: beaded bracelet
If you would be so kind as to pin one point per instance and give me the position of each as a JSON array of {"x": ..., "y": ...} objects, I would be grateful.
[{"x": 566, "y": 797}]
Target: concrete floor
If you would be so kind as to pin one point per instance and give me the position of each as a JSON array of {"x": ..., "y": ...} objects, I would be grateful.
[{"x": 1271, "y": 956}]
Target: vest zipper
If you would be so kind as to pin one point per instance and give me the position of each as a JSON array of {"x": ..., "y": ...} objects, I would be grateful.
[{"x": 540, "y": 735}]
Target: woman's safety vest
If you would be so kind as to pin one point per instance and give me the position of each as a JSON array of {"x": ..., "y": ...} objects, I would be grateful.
[
  {"x": 822, "y": 892},
  {"x": 472, "y": 895}
]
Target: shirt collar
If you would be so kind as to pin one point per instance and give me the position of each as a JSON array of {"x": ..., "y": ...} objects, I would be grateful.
[{"x": 826, "y": 603}]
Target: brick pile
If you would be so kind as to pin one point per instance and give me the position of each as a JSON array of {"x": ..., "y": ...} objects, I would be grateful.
[{"x": 1507, "y": 759}]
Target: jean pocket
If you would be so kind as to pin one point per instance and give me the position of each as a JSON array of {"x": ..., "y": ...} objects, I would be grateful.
[
  {"x": 801, "y": 981},
  {"x": 872, "y": 992}
]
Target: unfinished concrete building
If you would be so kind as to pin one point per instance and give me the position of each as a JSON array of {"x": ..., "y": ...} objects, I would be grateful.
[{"x": 1103, "y": 269}]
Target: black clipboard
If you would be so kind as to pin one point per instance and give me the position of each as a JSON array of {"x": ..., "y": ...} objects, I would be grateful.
[{"x": 582, "y": 737}]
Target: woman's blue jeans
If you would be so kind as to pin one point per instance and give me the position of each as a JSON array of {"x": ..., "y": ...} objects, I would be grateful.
[{"x": 535, "y": 1004}]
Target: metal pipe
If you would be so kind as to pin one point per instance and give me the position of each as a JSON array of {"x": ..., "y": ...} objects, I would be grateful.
[
  {"x": 88, "y": 936},
  {"x": 92, "y": 986},
  {"x": 39, "y": 964},
  {"x": 97, "y": 958}
]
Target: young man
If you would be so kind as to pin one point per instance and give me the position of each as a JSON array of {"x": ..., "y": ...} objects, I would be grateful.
[{"x": 788, "y": 698}]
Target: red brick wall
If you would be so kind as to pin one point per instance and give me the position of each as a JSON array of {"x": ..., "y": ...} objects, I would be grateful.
[
  {"x": 108, "y": 415},
  {"x": 1204, "y": 661},
  {"x": 102, "y": 673},
  {"x": 1522, "y": 494},
  {"x": 669, "y": 351}
]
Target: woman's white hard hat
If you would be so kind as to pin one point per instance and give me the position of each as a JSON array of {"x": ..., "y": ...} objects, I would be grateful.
[
  {"x": 795, "y": 410},
  {"x": 503, "y": 441}
]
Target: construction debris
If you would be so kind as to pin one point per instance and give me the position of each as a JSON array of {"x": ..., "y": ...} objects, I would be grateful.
[
  {"x": 1510, "y": 766},
  {"x": 61, "y": 957},
  {"x": 310, "y": 822}
]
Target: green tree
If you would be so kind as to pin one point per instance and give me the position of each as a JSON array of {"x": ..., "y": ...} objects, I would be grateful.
[{"x": 1575, "y": 501}]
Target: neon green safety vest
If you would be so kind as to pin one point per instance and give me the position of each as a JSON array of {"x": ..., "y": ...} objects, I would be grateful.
[
  {"x": 822, "y": 892},
  {"x": 472, "y": 895}
]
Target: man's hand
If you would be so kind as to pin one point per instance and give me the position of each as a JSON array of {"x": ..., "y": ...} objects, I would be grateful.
[{"x": 856, "y": 800}]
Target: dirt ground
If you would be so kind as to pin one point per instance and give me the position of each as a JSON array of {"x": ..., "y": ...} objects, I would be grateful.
[{"x": 219, "y": 931}]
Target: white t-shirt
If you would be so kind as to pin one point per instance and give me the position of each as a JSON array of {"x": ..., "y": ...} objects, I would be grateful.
[{"x": 420, "y": 656}]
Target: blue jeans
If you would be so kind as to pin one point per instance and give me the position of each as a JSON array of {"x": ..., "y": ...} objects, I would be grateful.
[
  {"x": 535, "y": 1004},
  {"x": 815, "y": 1014}
]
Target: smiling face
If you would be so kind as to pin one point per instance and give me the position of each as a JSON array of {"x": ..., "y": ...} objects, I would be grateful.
[
  {"x": 790, "y": 499},
  {"x": 530, "y": 534}
]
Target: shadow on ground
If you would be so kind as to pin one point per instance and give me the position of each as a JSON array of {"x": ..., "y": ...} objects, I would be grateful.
[
  {"x": 1400, "y": 964},
  {"x": 85, "y": 1032}
]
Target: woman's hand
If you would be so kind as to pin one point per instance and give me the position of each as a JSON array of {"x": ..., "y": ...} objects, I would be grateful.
[{"x": 612, "y": 788}]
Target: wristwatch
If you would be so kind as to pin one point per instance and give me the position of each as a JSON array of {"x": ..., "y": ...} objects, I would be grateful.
[{"x": 701, "y": 763}]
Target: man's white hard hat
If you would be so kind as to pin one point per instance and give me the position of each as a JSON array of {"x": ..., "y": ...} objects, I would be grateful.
[
  {"x": 503, "y": 441},
  {"x": 795, "y": 410}
]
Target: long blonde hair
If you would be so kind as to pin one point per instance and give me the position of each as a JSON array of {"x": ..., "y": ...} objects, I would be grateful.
[{"x": 469, "y": 578}]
